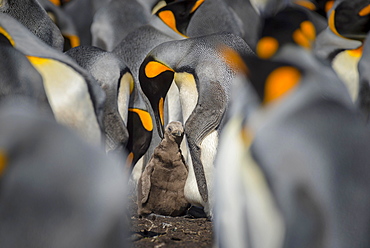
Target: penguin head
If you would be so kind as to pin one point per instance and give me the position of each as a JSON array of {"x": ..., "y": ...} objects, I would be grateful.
[
  {"x": 289, "y": 26},
  {"x": 350, "y": 19},
  {"x": 174, "y": 131},
  {"x": 155, "y": 79},
  {"x": 272, "y": 80},
  {"x": 178, "y": 14},
  {"x": 140, "y": 129}
]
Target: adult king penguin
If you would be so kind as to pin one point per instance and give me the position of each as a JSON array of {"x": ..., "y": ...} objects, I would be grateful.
[
  {"x": 341, "y": 42},
  {"x": 297, "y": 177},
  {"x": 204, "y": 81},
  {"x": 74, "y": 96}
]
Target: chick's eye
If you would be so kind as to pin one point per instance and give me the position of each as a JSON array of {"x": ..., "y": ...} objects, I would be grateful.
[{"x": 170, "y": 129}]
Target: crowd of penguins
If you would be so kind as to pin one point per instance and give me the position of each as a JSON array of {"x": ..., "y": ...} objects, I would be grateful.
[{"x": 272, "y": 97}]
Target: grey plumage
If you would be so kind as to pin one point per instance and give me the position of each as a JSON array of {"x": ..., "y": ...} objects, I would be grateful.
[
  {"x": 34, "y": 17},
  {"x": 108, "y": 70},
  {"x": 56, "y": 191}
]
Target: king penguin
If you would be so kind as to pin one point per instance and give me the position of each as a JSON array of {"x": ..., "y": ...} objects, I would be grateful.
[
  {"x": 115, "y": 79},
  {"x": 126, "y": 128},
  {"x": 341, "y": 42},
  {"x": 32, "y": 15},
  {"x": 202, "y": 17},
  {"x": 132, "y": 50},
  {"x": 299, "y": 165},
  {"x": 74, "y": 96},
  {"x": 204, "y": 81},
  {"x": 56, "y": 190}
]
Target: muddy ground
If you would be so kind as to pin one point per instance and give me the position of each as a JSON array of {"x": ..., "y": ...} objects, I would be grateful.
[{"x": 161, "y": 231}]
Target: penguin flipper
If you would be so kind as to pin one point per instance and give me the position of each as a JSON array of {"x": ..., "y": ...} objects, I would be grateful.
[
  {"x": 205, "y": 118},
  {"x": 145, "y": 182}
]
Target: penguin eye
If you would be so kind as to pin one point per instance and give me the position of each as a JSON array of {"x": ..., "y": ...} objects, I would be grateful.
[{"x": 170, "y": 129}]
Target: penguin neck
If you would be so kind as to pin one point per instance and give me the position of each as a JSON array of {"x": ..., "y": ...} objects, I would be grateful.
[{"x": 188, "y": 93}]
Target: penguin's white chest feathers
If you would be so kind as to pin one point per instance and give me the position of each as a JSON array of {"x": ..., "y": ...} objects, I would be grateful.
[
  {"x": 189, "y": 97},
  {"x": 69, "y": 97},
  {"x": 345, "y": 65}
]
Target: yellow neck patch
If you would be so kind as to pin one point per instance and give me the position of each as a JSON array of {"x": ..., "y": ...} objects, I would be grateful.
[
  {"x": 365, "y": 11},
  {"x": 7, "y": 35},
  {"x": 169, "y": 19},
  {"x": 161, "y": 110},
  {"x": 145, "y": 118},
  {"x": 3, "y": 162},
  {"x": 38, "y": 60},
  {"x": 357, "y": 53},
  {"x": 154, "y": 68},
  {"x": 129, "y": 160},
  {"x": 196, "y": 6},
  {"x": 328, "y": 6},
  {"x": 267, "y": 47},
  {"x": 280, "y": 82}
]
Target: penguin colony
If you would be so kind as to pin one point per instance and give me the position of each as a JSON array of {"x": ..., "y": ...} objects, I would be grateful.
[{"x": 270, "y": 101}]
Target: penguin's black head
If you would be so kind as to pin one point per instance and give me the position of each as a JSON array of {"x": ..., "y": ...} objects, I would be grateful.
[
  {"x": 178, "y": 14},
  {"x": 351, "y": 19},
  {"x": 289, "y": 26},
  {"x": 155, "y": 79}
]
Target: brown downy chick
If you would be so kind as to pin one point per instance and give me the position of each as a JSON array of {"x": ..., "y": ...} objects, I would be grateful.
[{"x": 161, "y": 185}]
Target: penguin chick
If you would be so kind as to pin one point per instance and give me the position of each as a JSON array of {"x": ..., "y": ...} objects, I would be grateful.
[{"x": 161, "y": 185}]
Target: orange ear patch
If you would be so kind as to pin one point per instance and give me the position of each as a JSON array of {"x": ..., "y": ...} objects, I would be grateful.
[
  {"x": 328, "y": 6},
  {"x": 301, "y": 39},
  {"x": 154, "y": 68},
  {"x": 233, "y": 59},
  {"x": 7, "y": 35},
  {"x": 307, "y": 4},
  {"x": 56, "y": 2},
  {"x": 365, "y": 11},
  {"x": 280, "y": 82},
  {"x": 145, "y": 118},
  {"x": 169, "y": 19},
  {"x": 267, "y": 47},
  {"x": 308, "y": 30}
]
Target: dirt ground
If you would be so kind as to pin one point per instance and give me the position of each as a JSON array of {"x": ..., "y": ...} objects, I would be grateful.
[{"x": 162, "y": 231}]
